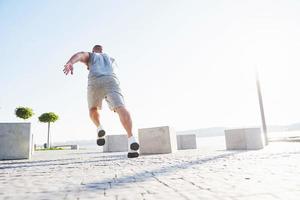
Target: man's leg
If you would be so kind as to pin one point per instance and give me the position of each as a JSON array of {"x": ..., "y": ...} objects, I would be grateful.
[
  {"x": 125, "y": 119},
  {"x": 94, "y": 115},
  {"x": 115, "y": 101}
]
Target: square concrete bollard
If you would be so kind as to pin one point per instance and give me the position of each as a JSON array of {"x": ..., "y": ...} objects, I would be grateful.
[
  {"x": 244, "y": 139},
  {"x": 15, "y": 141},
  {"x": 186, "y": 142},
  {"x": 115, "y": 143},
  {"x": 75, "y": 147},
  {"x": 157, "y": 140}
]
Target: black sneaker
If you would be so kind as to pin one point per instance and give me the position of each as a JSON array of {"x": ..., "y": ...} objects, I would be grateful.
[
  {"x": 100, "y": 136},
  {"x": 134, "y": 154},
  {"x": 133, "y": 148}
]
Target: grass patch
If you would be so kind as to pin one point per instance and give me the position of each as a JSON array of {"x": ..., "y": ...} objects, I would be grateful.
[{"x": 51, "y": 148}]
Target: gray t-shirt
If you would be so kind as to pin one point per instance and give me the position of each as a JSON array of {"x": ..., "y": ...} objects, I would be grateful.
[{"x": 100, "y": 64}]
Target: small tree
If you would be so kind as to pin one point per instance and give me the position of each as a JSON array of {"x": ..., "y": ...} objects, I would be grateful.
[
  {"x": 24, "y": 112},
  {"x": 48, "y": 118}
]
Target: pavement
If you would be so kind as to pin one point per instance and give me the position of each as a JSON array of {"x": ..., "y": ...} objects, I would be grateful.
[{"x": 268, "y": 174}]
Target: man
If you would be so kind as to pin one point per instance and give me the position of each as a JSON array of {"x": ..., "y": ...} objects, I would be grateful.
[{"x": 104, "y": 84}]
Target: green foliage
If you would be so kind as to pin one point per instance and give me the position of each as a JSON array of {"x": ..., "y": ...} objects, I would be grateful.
[
  {"x": 51, "y": 148},
  {"x": 48, "y": 117},
  {"x": 24, "y": 112}
]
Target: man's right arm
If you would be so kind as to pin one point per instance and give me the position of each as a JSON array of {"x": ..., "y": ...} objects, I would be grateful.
[{"x": 78, "y": 57}]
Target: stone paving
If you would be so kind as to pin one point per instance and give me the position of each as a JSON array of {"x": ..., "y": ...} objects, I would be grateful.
[{"x": 271, "y": 173}]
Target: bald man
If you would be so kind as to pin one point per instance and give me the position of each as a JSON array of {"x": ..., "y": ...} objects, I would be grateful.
[{"x": 104, "y": 84}]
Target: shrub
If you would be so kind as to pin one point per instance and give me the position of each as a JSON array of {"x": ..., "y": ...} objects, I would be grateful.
[
  {"x": 24, "y": 112},
  {"x": 48, "y": 117}
]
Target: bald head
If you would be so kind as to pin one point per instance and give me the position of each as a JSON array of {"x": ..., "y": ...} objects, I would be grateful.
[{"x": 97, "y": 49}]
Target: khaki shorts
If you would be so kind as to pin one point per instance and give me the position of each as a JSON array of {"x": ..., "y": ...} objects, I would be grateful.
[{"x": 104, "y": 87}]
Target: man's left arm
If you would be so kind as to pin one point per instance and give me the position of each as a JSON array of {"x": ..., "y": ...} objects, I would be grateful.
[{"x": 78, "y": 57}]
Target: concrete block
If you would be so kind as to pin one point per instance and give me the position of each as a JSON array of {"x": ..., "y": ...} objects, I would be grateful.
[
  {"x": 157, "y": 140},
  {"x": 74, "y": 147},
  {"x": 15, "y": 141},
  {"x": 186, "y": 142},
  {"x": 32, "y": 149},
  {"x": 235, "y": 139},
  {"x": 254, "y": 138},
  {"x": 244, "y": 139},
  {"x": 115, "y": 143}
]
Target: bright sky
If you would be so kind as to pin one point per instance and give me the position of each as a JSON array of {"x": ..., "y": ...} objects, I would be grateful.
[{"x": 187, "y": 64}]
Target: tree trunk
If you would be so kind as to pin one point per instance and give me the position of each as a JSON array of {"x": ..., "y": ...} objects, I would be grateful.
[{"x": 48, "y": 139}]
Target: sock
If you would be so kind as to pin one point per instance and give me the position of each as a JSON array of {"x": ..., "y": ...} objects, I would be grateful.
[
  {"x": 131, "y": 140},
  {"x": 99, "y": 128}
]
